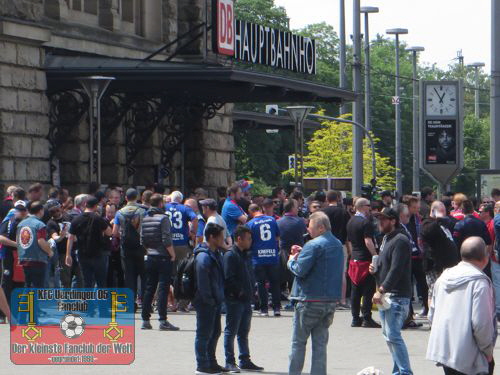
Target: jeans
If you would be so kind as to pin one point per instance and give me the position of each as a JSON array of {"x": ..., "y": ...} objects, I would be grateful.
[
  {"x": 94, "y": 270},
  {"x": 366, "y": 290},
  {"x": 495, "y": 273},
  {"x": 71, "y": 277},
  {"x": 133, "y": 267},
  {"x": 208, "y": 330},
  {"x": 392, "y": 322},
  {"x": 271, "y": 273},
  {"x": 34, "y": 277},
  {"x": 311, "y": 318},
  {"x": 158, "y": 274},
  {"x": 238, "y": 320},
  {"x": 53, "y": 272}
]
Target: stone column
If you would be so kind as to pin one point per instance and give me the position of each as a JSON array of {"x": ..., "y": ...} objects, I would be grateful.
[
  {"x": 24, "y": 125},
  {"x": 210, "y": 152},
  {"x": 109, "y": 18}
]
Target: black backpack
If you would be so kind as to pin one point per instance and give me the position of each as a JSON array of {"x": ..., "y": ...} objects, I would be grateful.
[
  {"x": 130, "y": 239},
  {"x": 185, "y": 281}
]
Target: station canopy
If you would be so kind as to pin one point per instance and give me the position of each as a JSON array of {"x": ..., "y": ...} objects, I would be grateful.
[{"x": 197, "y": 81}]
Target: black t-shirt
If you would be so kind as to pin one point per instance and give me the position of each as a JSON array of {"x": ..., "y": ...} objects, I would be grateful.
[
  {"x": 89, "y": 228},
  {"x": 55, "y": 226},
  {"x": 338, "y": 221},
  {"x": 8, "y": 229},
  {"x": 358, "y": 229},
  {"x": 6, "y": 205}
]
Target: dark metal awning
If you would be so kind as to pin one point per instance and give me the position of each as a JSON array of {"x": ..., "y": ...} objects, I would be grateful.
[
  {"x": 204, "y": 82},
  {"x": 257, "y": 120}
]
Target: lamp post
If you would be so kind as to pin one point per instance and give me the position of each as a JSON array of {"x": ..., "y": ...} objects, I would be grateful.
[
  {"x": 399, "y": 159},
  {"x": 342, "y": 53},
  {"x": 416, "y": 149},
  {"x": 477, "y": 66},
  {"x": 495, "y": 86},
  {"x": 366, "y": 11},
  {"x": 357, "y": 114},
  {"x": 298, "y": 114},
  {"x": 94, "y": 87}
]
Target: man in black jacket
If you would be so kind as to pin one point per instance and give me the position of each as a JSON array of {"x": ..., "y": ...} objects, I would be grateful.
[
  {"x": 238, "y": 290},
  {"x": 157, "y": 240},
  {"x": 392, "y": 272}
]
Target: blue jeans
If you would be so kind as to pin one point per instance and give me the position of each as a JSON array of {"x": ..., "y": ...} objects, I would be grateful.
[
  {"x": 208, "y": 330},
  {"x": 238, "y": 320},
  {"x": 311, "y": 318},
  {"x": 392, "y": 321},
  {"x": 158, "y": 273}
]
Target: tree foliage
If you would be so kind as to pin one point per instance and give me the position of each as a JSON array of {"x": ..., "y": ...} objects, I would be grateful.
[
  {"x": 266, "y": 155},
  {"x": 330, "y": 154}
]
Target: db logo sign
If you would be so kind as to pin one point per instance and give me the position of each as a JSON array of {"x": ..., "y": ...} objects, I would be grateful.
[{"x": 225, "y": 27}]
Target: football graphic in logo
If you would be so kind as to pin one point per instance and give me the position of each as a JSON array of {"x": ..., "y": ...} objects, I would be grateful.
[
  {"x": 72, "y": 326},
  {"x": 25, "y": 237}
]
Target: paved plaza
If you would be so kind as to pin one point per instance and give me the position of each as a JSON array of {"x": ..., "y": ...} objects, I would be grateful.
[{"x": 350, "y": 350}]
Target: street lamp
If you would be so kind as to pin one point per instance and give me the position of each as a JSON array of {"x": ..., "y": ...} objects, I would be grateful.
[
  {"x": 477, "y": 66},
  {"x": 367, "y": 11},
  {"x": 94, "y": 87},
  {"x": 416, "y": 149},
  {"x": 298, "y": 114},
  {"x": 399, "y": 160}
]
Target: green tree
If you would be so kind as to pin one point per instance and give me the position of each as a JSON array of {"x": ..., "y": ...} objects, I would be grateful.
[
  {"x": 263, "y": 12},
  {"x": 330, "y": 154}
]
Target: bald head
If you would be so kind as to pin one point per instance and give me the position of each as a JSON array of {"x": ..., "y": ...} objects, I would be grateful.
[{"x": 474, "y": 250}]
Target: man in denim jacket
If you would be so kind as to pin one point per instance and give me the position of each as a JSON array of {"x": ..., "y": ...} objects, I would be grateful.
[{"x": 317, "y": 287}]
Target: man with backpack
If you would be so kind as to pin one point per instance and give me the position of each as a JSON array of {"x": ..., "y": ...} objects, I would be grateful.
[
  {"x": 157, "y": 239},
  {"x": 208, "y": 297},
  {"x": 180, "y": 216},
  {"x": 126, "y": 227},
  {"x": 89, "y": 229}
]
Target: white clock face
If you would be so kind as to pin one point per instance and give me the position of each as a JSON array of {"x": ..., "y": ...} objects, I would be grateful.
[{"x": 441, "y": 100}]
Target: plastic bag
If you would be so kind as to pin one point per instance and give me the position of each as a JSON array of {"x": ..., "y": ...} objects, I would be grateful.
[{"x": 370, "y": 371}]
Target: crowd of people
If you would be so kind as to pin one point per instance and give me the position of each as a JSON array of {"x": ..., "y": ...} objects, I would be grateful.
[{"x": 240, "y": 254}]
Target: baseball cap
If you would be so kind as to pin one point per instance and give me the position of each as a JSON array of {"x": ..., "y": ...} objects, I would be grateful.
[
  {"x": 20, "y": 205},
  {"x": 210, "y": 203},
  {"x": 388, "y": 213}
]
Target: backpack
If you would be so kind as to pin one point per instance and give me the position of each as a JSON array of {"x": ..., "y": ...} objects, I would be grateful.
[
  {"x": 130, "y": 239},
  {"x": 185, "y": 281}
]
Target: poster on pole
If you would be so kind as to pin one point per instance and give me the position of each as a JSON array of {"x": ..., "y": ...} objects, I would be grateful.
[
  {"x": 441, "y": 129},
  {"x": 441, "y": 142}
]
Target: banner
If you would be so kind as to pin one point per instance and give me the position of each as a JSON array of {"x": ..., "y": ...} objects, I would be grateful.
[
  {"x": 440, "y": 142},
  {"x": 72, "y": 326}
]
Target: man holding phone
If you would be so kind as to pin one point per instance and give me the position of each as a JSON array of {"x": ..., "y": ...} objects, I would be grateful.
[{"x": 317, "y": 288}]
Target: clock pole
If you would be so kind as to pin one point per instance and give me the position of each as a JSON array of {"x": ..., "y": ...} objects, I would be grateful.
[{"x": 399, "y": 159}]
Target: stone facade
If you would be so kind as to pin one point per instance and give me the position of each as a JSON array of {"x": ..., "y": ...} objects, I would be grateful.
[{"x": 30, "y": 29}]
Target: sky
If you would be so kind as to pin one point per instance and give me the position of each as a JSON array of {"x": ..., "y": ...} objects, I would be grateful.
[{"x": 441, "y": 26}]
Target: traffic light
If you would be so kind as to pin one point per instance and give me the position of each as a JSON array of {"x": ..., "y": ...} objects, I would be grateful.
[{"x": 291, "y": 161}]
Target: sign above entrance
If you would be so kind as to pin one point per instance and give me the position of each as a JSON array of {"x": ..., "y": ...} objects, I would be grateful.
[{"x": 256, "y": 44}]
